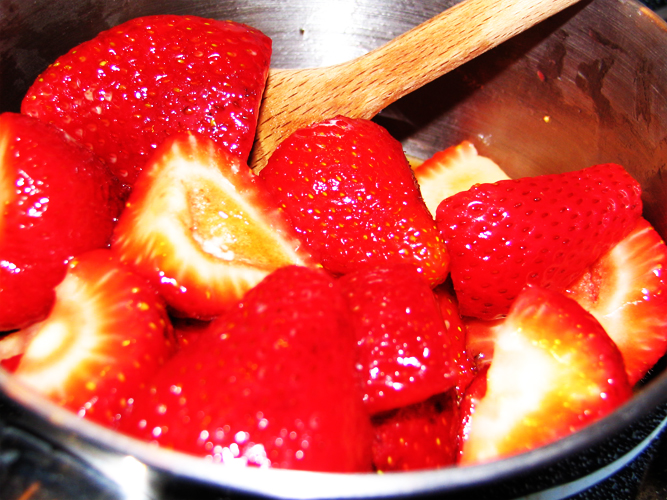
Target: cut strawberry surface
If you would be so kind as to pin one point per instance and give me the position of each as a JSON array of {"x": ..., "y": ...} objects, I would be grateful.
[
  {"x": 351, "y": 195},
  {"x": 107, "y": 333},
  {"x": 123, "y": 92},
  {"x": 480, "y": 339},
  {"x": 199, "y": 227},
  {"x": 407, "y": 352},
  {"x": 57, "y": 200},
  {"x": 420, "y": 436},
  {"x": 542, "y": 231},
  {"x": 270, "y": 384},
  {"x": 554, "y": 371},
  {"x": 453, "y": 170},
  {"x": 626, "y": 291}
]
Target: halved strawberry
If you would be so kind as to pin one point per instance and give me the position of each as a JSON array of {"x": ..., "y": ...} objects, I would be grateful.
[
  {"x": 107, "y": 334},
  {"x": 420, "y": 436},
  {"x": 406, "y": 351},
  {"x": 481, "y": 338},
  {"x": 57, "y": 199},
  {"x": 351, "y": 195},
  {"x": 199, "y": 227},
  {"x": 452, "y": 170},
  {"x": 554, "y": 371},
  {"x": 270, "y": 384},
  {"x": 542, "y": 231},
  {"x": 123, "y": 92},
  {"x": 627, "y": 293}
]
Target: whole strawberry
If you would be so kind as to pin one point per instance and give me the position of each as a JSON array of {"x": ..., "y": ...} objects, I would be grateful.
[
  {"x": 57, "y": 199},
  {"x": 542, "y": 231},
  {"x": 124, "y": 91},
  {"x": 406, "y": 351},
  {"x": 271, "y": 383},
  {"x": 351, "y": 195}
]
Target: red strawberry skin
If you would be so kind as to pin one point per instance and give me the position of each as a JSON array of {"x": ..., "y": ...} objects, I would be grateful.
[
  {"x": 541, "y": 231},
  {"x": 407, "y": 354},
  {"x": 449, "y": 309},
  {"x": 106, "y": 335},
  {"x": 124, "y": 91},
  {"x": 271, "y": 383},
  {"x": 351, "y": 195},
  {"x": 419, "y": 436},
  {"x": 58, "y": 200}
]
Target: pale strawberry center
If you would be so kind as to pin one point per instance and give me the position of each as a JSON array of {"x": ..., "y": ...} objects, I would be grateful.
[
  {"x": 58, "y": 348},
  {"x": 227, "y": 228}
]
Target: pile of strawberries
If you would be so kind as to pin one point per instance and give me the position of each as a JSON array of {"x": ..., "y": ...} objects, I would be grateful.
[{"x": 341, "y": 310}]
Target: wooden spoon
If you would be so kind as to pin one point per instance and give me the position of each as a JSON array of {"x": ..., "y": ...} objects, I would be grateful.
[{"x": 362, "y": 87}]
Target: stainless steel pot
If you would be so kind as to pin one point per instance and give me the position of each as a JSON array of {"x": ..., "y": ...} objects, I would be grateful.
[{"x": 585, "y": 87}]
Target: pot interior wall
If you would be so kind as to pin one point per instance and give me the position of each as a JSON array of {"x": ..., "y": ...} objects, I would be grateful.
[{"x": 588, "y": 86}]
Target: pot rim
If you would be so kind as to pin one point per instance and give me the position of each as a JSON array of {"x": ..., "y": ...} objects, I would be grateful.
[{"x": 109, "y": 450}]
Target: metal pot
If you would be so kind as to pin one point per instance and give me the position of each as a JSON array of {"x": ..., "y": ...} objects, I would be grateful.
[{"x": 587, "y": 86}]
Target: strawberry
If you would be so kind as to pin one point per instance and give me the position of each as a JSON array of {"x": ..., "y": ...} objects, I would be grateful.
[
  {"x": 107, "y": 333},
  {"x": 201, "y": 229},
  {"x": 57, "y": 200},
  {"x": 554, "y": 371},
  {"x": 351, "y": 195},
  {"x": 123, "y": 92},
  {"x": 272, "y": 383},
  {"x": 481, "y": 338},
  {"x": 449, "y": 309},
  {"x": 420, "y": 436},
  {"x": 406, "y": 351},
  {"x": 452, "y": 170},
  {"x": 474, "y": 393},
  {"x": 541, "y": 231},
  {"x": 627, "y": 293}
]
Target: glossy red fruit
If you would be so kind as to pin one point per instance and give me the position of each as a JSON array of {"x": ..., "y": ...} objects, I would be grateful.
[
  {"x": 626, "y": 291},
  {"x": 201, "y": 229},
  {"x": 541, "y": 231},
  {"x": 351, "y": 195},
  {"x": 554, "y": 371},
  {"x": 406, "y": 351},
  {"x": 449, "y": 309},
  {"x": 419, "y": 436},
  {"x": 123, "y": 92},
  {"x": 270, "y": 384},
  {"x": 481, "y": 338},
  {"x": 56, "y": 200},
  {"x": 107, "y": 334}
]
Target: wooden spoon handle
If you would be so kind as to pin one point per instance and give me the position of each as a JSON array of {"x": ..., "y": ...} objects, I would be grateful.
[
  {"x": 434, "y": 48},
  {"x": 364, "y": 86}
]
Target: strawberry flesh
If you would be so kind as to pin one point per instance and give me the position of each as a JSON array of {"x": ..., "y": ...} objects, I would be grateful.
[
  {"x": 543, "y": 231},
  {"x": 107, "y": 333},
  {"x": 123, "y": 92},
  {"x": 351, "y": 195},
  {"x": 626, "y": 291},
  {"x": 554, "y": 371},
  {"x": 271, "y": 383},
  {"x": 201, "y": 229}
]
